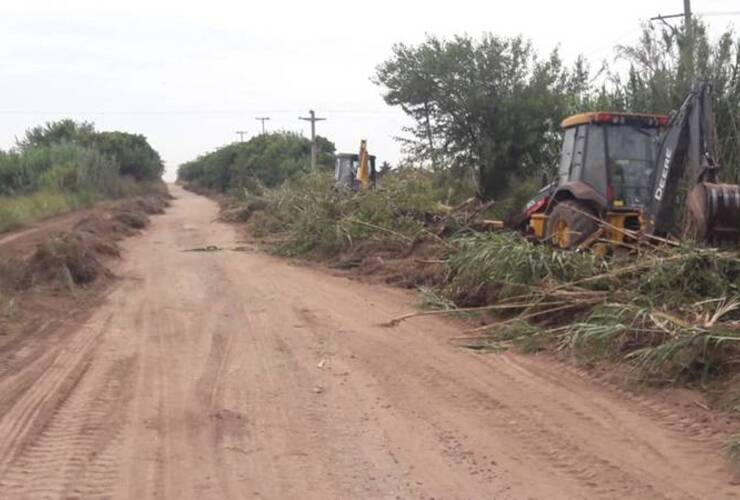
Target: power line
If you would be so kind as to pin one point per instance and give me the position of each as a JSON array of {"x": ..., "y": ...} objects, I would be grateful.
[
  {"x": 185, "y": 112},
  {"x": 241, "y": 134},
  {"x": 314, "y": 147},
  {"x": 263, "y": 119}
]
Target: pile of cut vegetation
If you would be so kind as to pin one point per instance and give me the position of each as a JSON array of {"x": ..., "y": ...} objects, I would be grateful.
[
  {"x": 394, "y": 233},
  {"x": 673, "y": 312},
  {"x": 76, "y": 258}
]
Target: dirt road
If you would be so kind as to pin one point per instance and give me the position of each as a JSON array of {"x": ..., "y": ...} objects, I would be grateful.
[{"x": 238, "y": 375}]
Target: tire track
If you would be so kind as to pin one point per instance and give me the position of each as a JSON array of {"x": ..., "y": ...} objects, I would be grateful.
[
  {"x": 62, "y": 371},
  {"x": 74, "y": 455}
]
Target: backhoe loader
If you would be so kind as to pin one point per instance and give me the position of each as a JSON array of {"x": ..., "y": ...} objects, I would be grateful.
[
  {"x": 626, "y": 176},
  {"x": 356, "y": 171}
]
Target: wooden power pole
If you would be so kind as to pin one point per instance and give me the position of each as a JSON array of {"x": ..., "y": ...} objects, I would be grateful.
[
  {"x": 686, "y": 17},
  {"x": 314, "y": 147},
  {"x": 687, "y": 14},
  {"x": 241, "y": 134},
  {"x": 263, "y": 119}
]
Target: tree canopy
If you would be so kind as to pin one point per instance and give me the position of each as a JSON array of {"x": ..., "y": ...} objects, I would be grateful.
[
  {"x": 265, "y": 160},
  {"x": 71, "y": 156},
  {"x": 491, "y": 104}
]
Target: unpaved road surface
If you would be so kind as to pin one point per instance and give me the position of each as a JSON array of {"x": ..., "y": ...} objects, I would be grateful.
[{"x": 228, "y": 374}]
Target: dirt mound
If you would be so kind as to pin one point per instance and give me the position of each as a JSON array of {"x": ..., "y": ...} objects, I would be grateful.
[
  {"x": 75, "y": 257},
  {"x": 68, "y": 260},
  {"x": 152, "y": 205},
  {"x": 60, "y": 266},
  {"x": 135, "y": 220}
]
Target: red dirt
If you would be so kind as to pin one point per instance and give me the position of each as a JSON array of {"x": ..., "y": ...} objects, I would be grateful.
[{"x": 234, "y": 374}]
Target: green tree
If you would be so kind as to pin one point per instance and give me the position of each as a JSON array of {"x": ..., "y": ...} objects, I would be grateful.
[
  {"x": 66, "y": 130},
  {"x": 490, "y": 105},
  {"x": 132, "y": 152},
  {"x": 664, "y": 63}
]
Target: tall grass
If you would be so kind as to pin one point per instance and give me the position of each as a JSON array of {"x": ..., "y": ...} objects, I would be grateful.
[
  {"x": 22, "y": 210},
  {"x": 19, "y": 211}
]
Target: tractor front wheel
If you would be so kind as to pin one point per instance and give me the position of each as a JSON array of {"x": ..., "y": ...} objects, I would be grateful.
[{"x": 569, "y": 224}]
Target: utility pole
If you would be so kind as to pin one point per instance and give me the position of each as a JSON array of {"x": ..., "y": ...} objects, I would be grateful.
[
  {"x": 241, "y": 134},
  {"x": 687, "y": 17},
  {"x": 688, "y": 30},
  {"x": 263, "y": 119},
  {"x": 314, "y": 147}
]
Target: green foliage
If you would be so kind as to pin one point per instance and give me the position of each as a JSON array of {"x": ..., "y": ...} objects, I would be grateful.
[
  {"x": 132, "y": 153},
  {"x": 63, "y": 131},
  {"x": 509, "y": 265},
  {"x": 689, "y": 274},
  {"x": 663, "y": 345},
  {"x": 316, "y": 217},
  {"x": 69, "y": 156},
  {"x": 489, "y": 104},
  {"x": 63, "y": 165},
  {"x": 266, "y": 160},
  {"x": 672, "y": 313},
  {"x": 21, "y": 210}
]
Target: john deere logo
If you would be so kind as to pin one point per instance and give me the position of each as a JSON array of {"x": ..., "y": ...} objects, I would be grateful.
[{"x": 660, "y": 191}]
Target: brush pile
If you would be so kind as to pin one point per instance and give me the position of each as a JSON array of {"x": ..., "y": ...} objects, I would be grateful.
[
  {"x": 74, "y": 258},
  {"x": 311, "y": 216},
  {"x": 673, "y": 311}
]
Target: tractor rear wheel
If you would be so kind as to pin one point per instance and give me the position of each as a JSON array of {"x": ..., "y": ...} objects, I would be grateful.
[{"x": 569, "y": 224}]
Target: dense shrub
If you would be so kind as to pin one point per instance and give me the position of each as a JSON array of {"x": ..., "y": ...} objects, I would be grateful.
[
  {"x": 63, "y": 165},
  {"x": 266, "y": 160}
]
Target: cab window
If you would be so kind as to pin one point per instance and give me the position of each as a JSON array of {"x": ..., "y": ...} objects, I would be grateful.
[
  {"x": 579, "y": 152},
  {"x": 566, "y": 157},
  {"x": 595, "y": 172}
]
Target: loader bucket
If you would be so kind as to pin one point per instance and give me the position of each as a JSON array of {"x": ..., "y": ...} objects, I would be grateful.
[{"x": 714, "y": 213}]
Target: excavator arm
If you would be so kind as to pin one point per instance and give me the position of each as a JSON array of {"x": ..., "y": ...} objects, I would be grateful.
[{"x": 686, "y": 198}]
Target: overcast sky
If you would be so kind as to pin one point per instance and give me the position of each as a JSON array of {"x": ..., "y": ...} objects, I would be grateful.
[{"x": 189, "y": 74}]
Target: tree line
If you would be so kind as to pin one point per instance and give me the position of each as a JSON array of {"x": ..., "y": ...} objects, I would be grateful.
[
  {"x": 266, "y": 160},
  {"x": 71, "y": 156},
  {"x": 488, "y": 109}
]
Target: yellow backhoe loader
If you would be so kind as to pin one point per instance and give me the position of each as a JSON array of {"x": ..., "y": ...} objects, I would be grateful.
[{"x": 623, "y": 176}]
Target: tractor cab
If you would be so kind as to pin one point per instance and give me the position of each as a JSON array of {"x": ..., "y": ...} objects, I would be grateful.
[
  {"x": 347, "y": 167},
  {"x": 612, "y": 155},
  {"x": 605, "y": 172}
]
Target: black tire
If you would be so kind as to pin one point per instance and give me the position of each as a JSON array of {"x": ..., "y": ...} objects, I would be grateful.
[{"x": 569, "y": 224}]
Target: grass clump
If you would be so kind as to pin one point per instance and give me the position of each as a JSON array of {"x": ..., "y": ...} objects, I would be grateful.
[{"x": 22, "y": 210}]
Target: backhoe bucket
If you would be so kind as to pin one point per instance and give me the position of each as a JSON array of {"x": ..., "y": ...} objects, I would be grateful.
[{"x": 714, "y": 213}]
